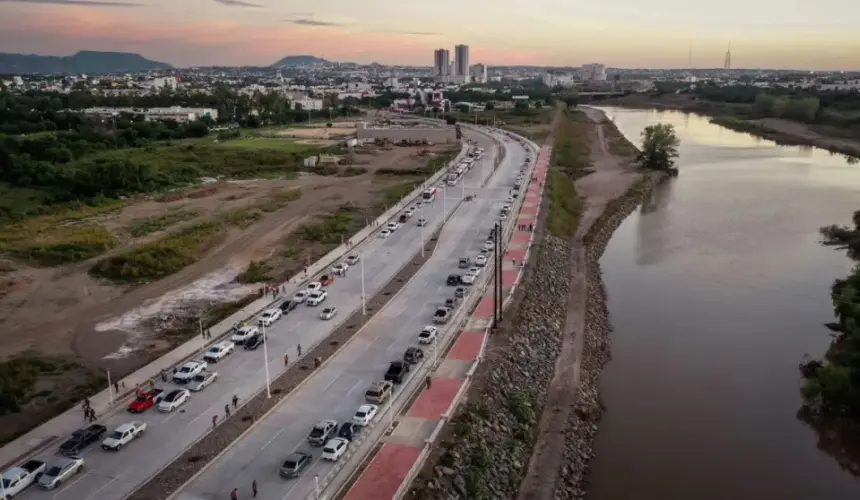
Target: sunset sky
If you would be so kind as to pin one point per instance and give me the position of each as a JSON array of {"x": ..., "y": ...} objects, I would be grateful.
[{"x": 821, "y": 34}]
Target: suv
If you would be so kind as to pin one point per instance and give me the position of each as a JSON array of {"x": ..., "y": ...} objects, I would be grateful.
[
  {"x": 322, "y": 432},
  {"x": 295, "y": 463},
  {"x": 379, "y": 392},
  {"x": 441, "y": 315},
  {"x": 288, "y": 306},
  {"x": 453, "y": 280},
  {"x": 413, "y": 355},
  {"x": 397, "y": 371}
]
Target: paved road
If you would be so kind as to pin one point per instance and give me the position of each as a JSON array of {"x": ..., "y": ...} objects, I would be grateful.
[
  {"x": 109, "y": 476},
  {"x": 337, "y": 390}
]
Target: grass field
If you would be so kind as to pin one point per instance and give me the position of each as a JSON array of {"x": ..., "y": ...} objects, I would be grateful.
[{"x": 273, "y": 143}]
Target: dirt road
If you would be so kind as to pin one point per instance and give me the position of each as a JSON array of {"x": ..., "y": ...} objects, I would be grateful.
[{"x": 612, "y": 176}]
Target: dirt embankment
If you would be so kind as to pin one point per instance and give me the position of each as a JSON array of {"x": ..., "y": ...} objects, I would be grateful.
[{"x": 729, "y": 115}]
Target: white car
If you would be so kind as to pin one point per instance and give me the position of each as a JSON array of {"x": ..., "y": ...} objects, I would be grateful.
[
  {"x": 316, "y": 298},
  {"x": 410, "y": 211},
  {"x": 174, "y": 400},
  {"x": 385, "y": 233},
  {"x": 218, "y": 351},
  {"x": 314, "y": 286},
  {"x": 503, "y": 216},
  {"x": 481, "y": 260},
  {"x": 511, "y": 199},
  {"x": 334, "y": 449},
  {"x": 340, "y": 268},
  {"x": 270, "y": 316},
  {"x": 328, "y": 313},
  {"x": 422, "y": 221},
  {"x": 392, "y": 226},
  {"x": 187, "y": 371},
  {"x": 488, "y": 245},
  {"x": 202, "y": 380},
  {"x": 123, "y": 435},
  {"x": 506, "y": 207},
  {"x": 427, "y": 335},
  {"x": 468, "y": 278},
  {"x": 300, "y": 296},
  {"x": 364, "y": 414},
  {"x": 475, "y": 270},
  {"x": 243, "y": 334},
  {"x": 352, "y": 259}
]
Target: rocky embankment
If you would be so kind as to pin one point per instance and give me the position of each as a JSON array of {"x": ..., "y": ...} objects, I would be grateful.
[
  {"x": 487, "y": 445},
  {"x": 581, "y": 428}
]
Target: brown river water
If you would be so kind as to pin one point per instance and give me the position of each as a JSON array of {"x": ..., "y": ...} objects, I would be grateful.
[{"x": 717, "y": 288}]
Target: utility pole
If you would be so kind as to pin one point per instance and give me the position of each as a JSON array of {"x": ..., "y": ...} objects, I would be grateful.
[
  {"x": 422, "y": 230},
  {"x": 363, "y": 300},
  {"x": 266, "y": 363}
]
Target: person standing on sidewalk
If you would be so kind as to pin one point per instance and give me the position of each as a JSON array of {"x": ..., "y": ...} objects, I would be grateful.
[
  {"x": 214, "y": 420},
  {"x": 234, "y": 495},
  {"x": 299, "y": 349},
  {"x": 235, "y": 401},
  {"x": 227, "y": 411},
  {"x": 254, "y": 488}
]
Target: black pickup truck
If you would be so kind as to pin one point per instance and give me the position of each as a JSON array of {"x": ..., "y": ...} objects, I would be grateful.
[
  {"x": 397, "y": 371},
  {"x": 82, "y": 438}
]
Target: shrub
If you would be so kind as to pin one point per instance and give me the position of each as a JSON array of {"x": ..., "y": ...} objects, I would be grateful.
[
  {"x": 330, "y": 229},
  {"x": 256, "y": 272}
]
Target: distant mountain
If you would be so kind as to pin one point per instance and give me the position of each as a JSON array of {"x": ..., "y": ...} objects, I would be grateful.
[
  {"x": 84, "y": 61},
  {"x": 298, "y": 61}
]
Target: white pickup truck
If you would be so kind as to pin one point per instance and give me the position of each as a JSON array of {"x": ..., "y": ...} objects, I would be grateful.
[
  {"x": 123, "y": 435},
  {"x": 17, "y": 479}
]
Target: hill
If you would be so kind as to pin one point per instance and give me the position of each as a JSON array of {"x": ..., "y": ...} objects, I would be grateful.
[
  {"x": 83, "y": 62},
  {"x": 298, "y": 61}
]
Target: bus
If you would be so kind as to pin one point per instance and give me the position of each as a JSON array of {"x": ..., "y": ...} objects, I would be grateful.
[{"x": 430, "y": 194}]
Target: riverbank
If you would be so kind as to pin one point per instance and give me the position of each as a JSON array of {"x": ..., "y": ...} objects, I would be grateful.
[{"x": 736, "y": 117}]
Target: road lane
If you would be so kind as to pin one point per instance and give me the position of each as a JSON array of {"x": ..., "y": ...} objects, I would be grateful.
[
  {"x": 337, "y": 390},
  {"x": 115, "y": 475}
]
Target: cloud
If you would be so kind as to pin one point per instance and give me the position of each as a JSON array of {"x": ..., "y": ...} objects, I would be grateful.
[
  {"x": 415, "y": 33},
  {"x": 86, "y": 3},
  {"x": 312, "y": 22},
  {"x": 238, "y": 3}
]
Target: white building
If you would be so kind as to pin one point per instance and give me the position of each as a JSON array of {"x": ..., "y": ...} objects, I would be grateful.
[
  {"x": 595, "y": 72},
  {"x": 442, "y": 64},
  {"x": 479, "y": 73},
  {"x": 176, "y": 113},
  {"x": 308, "y": 104},
  {"x": 164, "y": 82}
]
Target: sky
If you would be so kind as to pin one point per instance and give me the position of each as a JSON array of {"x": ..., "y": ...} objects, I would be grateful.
[{"x": 777, "y": 34}]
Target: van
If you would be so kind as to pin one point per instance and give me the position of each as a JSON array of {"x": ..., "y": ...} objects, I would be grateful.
[{"x": 379, "y": 392}]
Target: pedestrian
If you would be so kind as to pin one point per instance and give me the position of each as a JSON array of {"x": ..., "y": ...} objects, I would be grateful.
[
  {"x": 227, "y": 410},
  {"x": 214, "y": 420},
  {"x": 429, "y": 381},
  {"x": 234, "y": 495},
  {"x": 137, "y": 387},
  {"x": 116, "y": 387},
  {"x": 317, "y": 362},
  {"x": 254, "y": 487},
  {"x": 163, "y": 378},
  {"x": 299, "y": 349},
  {"x": 92, "y": 415},
  {"x": 235, "y": 401},
  {"x": 514, "y": 261},
  {"x": 286, "y": 359}
]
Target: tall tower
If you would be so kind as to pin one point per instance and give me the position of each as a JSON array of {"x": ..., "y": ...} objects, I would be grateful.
[
  {"x": 441, "y": 63},
  {"x": 728, "y": 62},
  {"x": 461, "y": 56}
]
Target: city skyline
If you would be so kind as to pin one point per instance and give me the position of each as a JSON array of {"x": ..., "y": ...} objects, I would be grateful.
[{"x": 618, "y": 33}]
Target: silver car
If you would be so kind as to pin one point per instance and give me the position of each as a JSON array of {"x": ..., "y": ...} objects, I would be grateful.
[
  {"x": 59, "y": 471},
  {"x": 201, "y": 380}
]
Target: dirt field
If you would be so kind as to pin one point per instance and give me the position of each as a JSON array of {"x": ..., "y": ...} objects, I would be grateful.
[
  {"x": 319, "y": 136},
  {"x": 67, "y": 313}
]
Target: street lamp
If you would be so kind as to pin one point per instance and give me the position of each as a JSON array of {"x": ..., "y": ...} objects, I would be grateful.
[
  {"x": 424, "y": 223},
  {"x": 266, "y": 362},
  {"x": 363, "y": 298}
]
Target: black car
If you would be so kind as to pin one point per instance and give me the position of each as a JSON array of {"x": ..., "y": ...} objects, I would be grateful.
[
  {"x": 451, "y": 302},
  {"x": 348, "y": 430},
  {"x": 254, "y": 341},
  {"x": 397, "y": 371},
  {"x": 295, "y": 463},
  {"x": 288, "y": 306},
  {"x": 82, "y": 438},
  {"x": 453, "y": 280},
  {"x": 413, "y": 355}
]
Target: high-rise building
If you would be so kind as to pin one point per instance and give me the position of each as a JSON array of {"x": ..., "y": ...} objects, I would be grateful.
[
  {"x": 596, "y": 72},
  {"x": 461, "y": 55},
  {"x": 441, "y": 64},
  {"x": 727, "y": 64},
  {"x": 479, "y": 73}
]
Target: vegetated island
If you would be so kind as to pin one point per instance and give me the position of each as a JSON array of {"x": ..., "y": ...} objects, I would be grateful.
[
  {"x": 827, "y": 119},
  {"x": 831, "y": 386}
]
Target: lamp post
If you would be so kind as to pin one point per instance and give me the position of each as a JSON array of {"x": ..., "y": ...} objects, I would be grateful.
[
  {"x": 363, "y": 299},
  {"x": 266, "y": 363}
]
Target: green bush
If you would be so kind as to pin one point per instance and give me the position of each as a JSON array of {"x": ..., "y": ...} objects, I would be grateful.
[
  {"x": 570, "y": 160},
  {"x": 256, "y": 272},
  {"x": 329, "y": 229}
]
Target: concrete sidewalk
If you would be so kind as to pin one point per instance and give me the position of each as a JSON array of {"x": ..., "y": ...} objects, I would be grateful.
[{"x": 107, "y": 402}]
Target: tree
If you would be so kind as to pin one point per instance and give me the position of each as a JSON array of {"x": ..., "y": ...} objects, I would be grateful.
[
  {"x": 572, "y": 100},
  {"x": 489, "y": 106},
  {"x": 659, "y": 148}
]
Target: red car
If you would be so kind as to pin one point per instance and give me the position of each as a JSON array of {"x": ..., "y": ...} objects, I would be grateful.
[
  {"x": 326, "y": 280},
  {"x": 146, "y": 400}
]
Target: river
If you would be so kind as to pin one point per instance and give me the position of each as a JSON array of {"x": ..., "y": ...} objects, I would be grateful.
[{"x": 717, "y": 288}]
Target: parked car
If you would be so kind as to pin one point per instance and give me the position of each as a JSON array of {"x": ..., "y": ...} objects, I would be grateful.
[
  {"x": 60, "y": 471},
  {"x": 427, "y": 334},
  {"x": 348, "y": 431},
  {"x": 392, "y": 226},
  {"x": 340, "y": 269},
  {"x": 300, "y": 296},
  {"x": 352, "y": 259},
  {"x": 453, "y": 280},
  {"x": 413, "y": 355},
  {"x": 364, "y": 415},
  {"x": 202, "y": 380},
  {"x": 328, "y": 313},
  {"x": 269, "y": 316},
  {"x": 255, "y": 341},
  {"x": 314, "y": 286},
  {"x": 123, "y": 435},
  {"x": 295, "y": 463},
  {"x": 82, "y": 438},
  {"x": 441, "y": 315},
  {"x": 422, "y": 222},
  {"x": 316, "y": 298},
  {"x": 243, "y": 334},
  {"x": 468, "y": 278},
  {"x": 397, "y": 371},
  {"x": 335, "y": 449},
  {"x": 379, "y": 392},
  {"x": 451, "y": 302},
  {"x": 287, "y": 306},
  {"x": 146, "y": 400},
  {"x": 188, "y": 371},
  {"x": 460, "y": 292},
  {"x": 18, "y": 479},
  {"x": 385, "y": 233},
  {"x": 326, "y": 279},
  {"x": 219, "y": 351},
  {"x": 322, "y": 432},
  {"x": 481, "y": 260},
  {"x": 488, "y": 245},
  {"x": 174, "y": 400},
  {"x": 464, "y": 263}
]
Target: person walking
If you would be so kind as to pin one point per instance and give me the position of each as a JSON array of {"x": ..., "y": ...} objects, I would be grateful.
[
  {"x": 286, "y": 359},
  {"x": 254, "y": 488},
  {"x": 299, "y": 349},
  {"x": 234, "y": 495},
  {"x": 227, "y": 411},
  {"x": 163, "y": 377},
  {"x": 214, "y": 420},
  {"x": 235, "y": 401}
]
